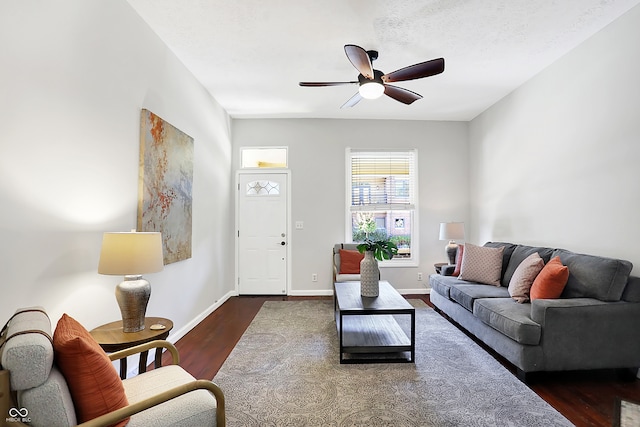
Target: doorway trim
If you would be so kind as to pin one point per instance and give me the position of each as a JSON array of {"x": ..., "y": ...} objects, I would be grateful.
[{"x": 287, "y": 174}]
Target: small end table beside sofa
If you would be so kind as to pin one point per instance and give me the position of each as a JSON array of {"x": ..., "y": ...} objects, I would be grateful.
[{"x": 112, "y": 338}]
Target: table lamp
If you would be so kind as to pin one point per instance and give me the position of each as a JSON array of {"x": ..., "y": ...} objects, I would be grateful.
[
  {"x": 451, "y": 231},
  {"x": 131, "y": 254}
]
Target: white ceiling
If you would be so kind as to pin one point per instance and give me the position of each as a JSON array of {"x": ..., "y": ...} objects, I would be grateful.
[{"x": 251, "y": 54}]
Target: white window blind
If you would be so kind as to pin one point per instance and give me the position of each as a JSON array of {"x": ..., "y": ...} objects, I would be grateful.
[{"x": 382, "y": 180}]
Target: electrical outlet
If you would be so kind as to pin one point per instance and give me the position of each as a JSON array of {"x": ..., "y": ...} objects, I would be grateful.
[
  {"x": 419, "y": 276},
  {"x": 314, "y": 277}
]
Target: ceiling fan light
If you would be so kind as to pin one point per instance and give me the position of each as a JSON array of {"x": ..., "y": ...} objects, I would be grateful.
[{"x": 371, "y": 90}]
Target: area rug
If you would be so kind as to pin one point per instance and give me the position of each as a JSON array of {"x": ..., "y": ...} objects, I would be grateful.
[{"x": 285, "y": 371}]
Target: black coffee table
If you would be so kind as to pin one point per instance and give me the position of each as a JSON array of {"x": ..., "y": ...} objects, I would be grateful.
[{"x": 367, "y": 326}]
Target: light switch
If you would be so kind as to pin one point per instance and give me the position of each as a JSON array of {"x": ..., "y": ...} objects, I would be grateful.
[{"x": 299, "y": 225}]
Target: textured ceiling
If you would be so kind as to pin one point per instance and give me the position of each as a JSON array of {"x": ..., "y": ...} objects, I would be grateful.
[{"x": 251, "y": 54}]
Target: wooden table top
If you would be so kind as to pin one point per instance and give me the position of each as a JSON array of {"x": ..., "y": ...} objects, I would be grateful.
[
  {"x": 389, "y": 300},
  {"x": 112, "y": 338}
]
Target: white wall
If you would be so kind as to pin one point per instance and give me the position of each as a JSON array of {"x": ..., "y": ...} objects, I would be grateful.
[
  {"x": 74, "y": 77},
  {"x": 317, "y": 164},
  {"x": 556, "y": 162}
]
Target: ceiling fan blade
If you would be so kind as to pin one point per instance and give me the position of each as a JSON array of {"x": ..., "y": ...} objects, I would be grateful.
[
  {"x": 400, "y": 94},
  {"x": 322, "y": 84},
  {"x": 416, "y": 71},
  {"x": 360, "y": 59},
  {"x": 352, "y": 101}
]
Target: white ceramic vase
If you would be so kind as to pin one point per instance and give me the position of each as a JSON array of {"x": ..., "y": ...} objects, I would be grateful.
[{"x": 369, "y": 276}]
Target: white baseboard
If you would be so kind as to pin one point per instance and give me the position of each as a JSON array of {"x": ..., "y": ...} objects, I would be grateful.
[
  {"x": 311, "y": 293},
  {"x": 419, "y": 291}
]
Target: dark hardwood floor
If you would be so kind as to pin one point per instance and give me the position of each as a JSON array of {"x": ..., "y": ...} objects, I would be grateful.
[{"x": 585, "y": 398}]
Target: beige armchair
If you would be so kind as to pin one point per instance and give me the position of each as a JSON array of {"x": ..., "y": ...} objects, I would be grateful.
[{"x": 33, "y": 389}]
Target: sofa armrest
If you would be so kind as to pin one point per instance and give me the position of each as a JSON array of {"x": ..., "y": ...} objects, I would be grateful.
[
  {"x": 127, "y": 411},
  {"x": 587, "y": 332},
  {"x": 175, "y": 356}
]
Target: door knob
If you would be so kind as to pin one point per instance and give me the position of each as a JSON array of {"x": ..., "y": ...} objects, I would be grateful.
[{"x": 282, "y": 243}]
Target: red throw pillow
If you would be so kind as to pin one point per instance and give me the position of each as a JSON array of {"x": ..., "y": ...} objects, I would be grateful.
[
  {"x": 350, "y": 261},
  {"x": 456, "y": 271},
  {"x": 551, "y": 280},
  {"x": 94, "y": 384}
]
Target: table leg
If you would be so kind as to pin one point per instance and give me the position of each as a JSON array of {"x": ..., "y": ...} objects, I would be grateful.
[
  {"x": 123, "y": 368},
  {"x": 142, "y": 364},
  {"x": 413, "y": 336},
  {"x": 341, "y": 336},
  {"x": 158, "y": 361}
]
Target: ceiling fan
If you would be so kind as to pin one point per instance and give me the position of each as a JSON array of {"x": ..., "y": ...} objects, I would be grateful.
[{"x": 374, "y": 83}]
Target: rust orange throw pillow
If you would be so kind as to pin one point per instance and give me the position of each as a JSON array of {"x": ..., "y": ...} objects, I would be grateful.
[
  {"x": 350, "y": 261},
  {"x": 94, "y": 384},
  {"x": 551, "y": 280}
]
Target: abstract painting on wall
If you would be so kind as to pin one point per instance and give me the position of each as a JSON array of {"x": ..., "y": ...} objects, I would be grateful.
[{"x": 165, "y": 185}]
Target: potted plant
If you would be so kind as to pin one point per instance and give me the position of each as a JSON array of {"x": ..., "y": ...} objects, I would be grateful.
[
  {"x": 374, "y": 251},
  {"x": 382, "y": 249}
]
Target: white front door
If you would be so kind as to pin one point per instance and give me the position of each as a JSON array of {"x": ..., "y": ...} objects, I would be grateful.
[{"x": 262, "y": 234}]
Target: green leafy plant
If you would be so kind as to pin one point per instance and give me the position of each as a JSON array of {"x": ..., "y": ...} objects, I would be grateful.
[{"x": 382, "y": 249}]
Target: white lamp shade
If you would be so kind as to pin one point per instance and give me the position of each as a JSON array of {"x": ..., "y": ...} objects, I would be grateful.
[
  {"x": 451, "y": 230},
  {"x": 131, "y": 253}
]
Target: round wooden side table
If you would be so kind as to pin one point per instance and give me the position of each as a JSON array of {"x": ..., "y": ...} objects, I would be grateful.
[
  {"x": 438, "y": 266},
  {"x": 111, "y": 338}
]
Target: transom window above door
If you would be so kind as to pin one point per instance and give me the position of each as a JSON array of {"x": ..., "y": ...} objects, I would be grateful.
[{"x": 263, "y": 157}]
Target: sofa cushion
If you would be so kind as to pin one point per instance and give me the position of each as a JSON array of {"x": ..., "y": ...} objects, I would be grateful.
[
  {"x": 511, "y": 319},
  {"x": 551, "y": 280},
  {"x": 593, "y": 276},
  {"x": 520, "y": 253},
  {"x": 95, "y": 385},
  {"x": 50, "y": 403},
  {"x": 347, "y": 277},
  {"x": 197, "y": 408},
  {"x": 35, "y": 347},
  {"x": 481, "y": 264},
  {"x": 632, "y": 290},
  {"x": 350, "y": 261},
  {"x": 442, "y": 284},
  {"x": 523, "y": 277},
  {"x": 466, "y": 294},
  {"x": 506, "y": 254}
]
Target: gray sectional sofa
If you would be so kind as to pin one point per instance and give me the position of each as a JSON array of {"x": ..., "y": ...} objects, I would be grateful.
[{"x": 595, "y": 324}]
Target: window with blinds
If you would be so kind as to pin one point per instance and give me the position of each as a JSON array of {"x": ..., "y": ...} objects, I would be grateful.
[{"x": 382, "y": 197}]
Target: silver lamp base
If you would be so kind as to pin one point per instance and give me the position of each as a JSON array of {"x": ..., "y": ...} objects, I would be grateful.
[
  {"x": 452, "y": 250},
  {"x": 133, "y": 295}
]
